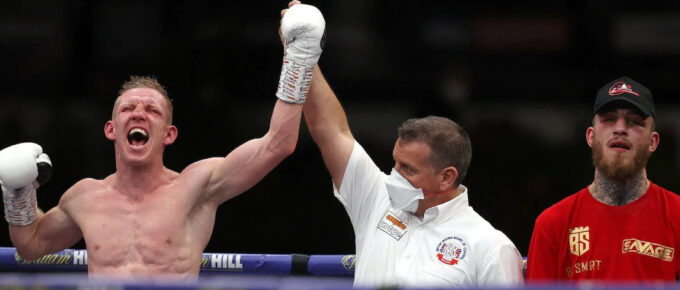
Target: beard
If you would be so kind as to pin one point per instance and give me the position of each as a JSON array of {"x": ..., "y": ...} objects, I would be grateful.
[{"x": 618, "y": 168}]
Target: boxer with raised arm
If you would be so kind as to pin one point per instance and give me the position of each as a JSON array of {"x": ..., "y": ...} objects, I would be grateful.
[{"x": 146, "y": 219}]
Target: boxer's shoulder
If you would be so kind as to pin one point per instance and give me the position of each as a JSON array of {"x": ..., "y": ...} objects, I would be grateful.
[
  {"x": 90, "y": 184},
  {"x": 82, "y": 187},
  {"x": 205, "y": 165}
]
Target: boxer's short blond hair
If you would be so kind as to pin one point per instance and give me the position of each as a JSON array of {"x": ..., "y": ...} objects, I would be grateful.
[{"x": 148, "y": 82}]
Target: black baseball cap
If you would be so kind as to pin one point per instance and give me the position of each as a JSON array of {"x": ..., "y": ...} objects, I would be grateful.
[{"x": 627, "y": 90}]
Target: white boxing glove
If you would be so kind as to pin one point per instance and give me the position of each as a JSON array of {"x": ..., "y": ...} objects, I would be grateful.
[
  {"x": 23, "y": 168},
  {"x": 302, "y": 29}
]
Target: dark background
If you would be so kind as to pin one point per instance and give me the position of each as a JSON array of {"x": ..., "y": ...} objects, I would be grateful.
[{"x": 519, "y": 75}]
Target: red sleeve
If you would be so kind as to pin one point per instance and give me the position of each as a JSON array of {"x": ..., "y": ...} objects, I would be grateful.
[
  {"x": 672, "y": 202},
  {"x": 677, "y": 267},
  {"x": 542, "y": 263},
  {"x": 674, "y": 221}
]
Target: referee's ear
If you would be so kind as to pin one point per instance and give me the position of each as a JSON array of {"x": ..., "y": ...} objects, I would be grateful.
[{"x": 447, "y": 178}]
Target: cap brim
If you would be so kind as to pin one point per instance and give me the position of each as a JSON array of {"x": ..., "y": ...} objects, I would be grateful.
[{"x": 641, "y": 108}]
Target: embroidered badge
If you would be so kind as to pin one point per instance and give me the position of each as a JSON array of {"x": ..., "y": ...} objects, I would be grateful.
[
  {"x": 451, "y": 250},
  {"x": 393, "y": 225}
]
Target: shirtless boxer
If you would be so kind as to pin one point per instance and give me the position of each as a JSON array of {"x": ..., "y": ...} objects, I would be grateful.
[{"x": 146, "y": 219}]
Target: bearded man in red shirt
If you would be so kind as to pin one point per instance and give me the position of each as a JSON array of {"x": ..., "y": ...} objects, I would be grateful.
[{"x": 622, "y": 227}]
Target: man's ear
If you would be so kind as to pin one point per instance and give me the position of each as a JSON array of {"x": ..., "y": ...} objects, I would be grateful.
[
  {"x": 448, "y": 177},
  {"x": 170, "y": 135},
  {"x": 590, "y": 136},
  {"x": 109, "y": 132},
  {"x": 654, "y": 142}
]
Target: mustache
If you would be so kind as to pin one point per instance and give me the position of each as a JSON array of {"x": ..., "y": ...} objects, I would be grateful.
[{"x": 617, "y": 168}]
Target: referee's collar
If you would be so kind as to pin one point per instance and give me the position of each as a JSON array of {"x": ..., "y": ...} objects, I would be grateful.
[{"x": 453, "y": 207}]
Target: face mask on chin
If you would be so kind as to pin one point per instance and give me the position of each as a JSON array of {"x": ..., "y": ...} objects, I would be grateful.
[{"x": 403, "y": 195}]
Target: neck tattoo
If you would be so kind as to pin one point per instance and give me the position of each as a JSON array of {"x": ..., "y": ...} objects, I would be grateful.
[{"x": 618, "y": 193}]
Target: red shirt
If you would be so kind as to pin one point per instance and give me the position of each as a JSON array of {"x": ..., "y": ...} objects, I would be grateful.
[{"x": 581, "y": 238}]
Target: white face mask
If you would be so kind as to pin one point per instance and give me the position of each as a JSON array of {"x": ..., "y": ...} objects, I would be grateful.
[{"x": 403, "y": 195}]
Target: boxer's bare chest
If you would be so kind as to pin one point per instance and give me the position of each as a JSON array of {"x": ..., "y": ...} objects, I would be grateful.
[{"x": 151, "y": 230}]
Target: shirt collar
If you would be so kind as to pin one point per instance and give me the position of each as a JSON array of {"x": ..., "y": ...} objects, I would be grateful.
[{"x": 453, "y": 206}]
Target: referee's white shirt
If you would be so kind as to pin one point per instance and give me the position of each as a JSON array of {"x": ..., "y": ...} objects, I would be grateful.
[{"x": 451, "y": 246}]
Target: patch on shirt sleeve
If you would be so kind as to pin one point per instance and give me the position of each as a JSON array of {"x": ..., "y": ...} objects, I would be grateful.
[
  {"x": 394, "y": 226},
  {"x": 451, "y": 250}
]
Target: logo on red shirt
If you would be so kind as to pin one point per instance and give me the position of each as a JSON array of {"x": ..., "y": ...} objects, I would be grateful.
[
  {"x": 579, "y": 240},
  {"x": 650, "y": 249}
]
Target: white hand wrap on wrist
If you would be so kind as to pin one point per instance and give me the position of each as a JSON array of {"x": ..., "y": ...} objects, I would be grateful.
[
  {"x": 21, "y": 206},
  {"x": 302, "y": 30},
  {"x": 294, "y": 82}
]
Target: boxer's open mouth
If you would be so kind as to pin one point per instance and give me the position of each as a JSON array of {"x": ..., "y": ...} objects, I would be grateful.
[
  {"x": 137, "y": 136},
  {"x": 620, "y": 145}
]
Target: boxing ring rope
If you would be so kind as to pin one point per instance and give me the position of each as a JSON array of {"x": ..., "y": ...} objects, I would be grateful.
[
  {"x": 79, "y": 281},
  {"x": 240, "y": 271},
  {"x": 270, "y": 271},
  {"x": 264, "y": 264}
]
